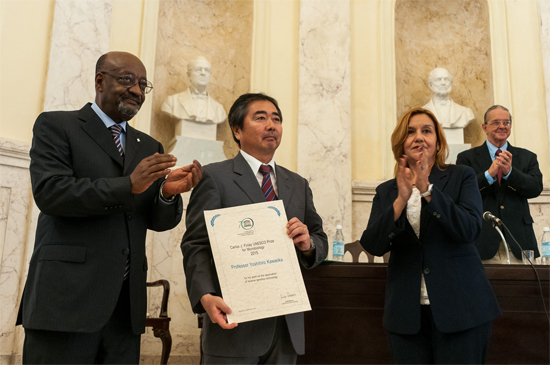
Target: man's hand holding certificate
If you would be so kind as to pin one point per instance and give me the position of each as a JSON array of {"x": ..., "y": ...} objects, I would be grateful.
[{"x": 256, "y": 262}]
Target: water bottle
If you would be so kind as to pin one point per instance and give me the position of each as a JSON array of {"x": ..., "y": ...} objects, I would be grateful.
[
  {"x": 545, "y": 246},
  {"x": 338, "y": 245}
]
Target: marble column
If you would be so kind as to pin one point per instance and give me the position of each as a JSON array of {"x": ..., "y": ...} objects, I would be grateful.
[
  {"x": 80, "y": 34},
  {"x": 16, "y": 207},
  {"x": 324, "y": 124}
]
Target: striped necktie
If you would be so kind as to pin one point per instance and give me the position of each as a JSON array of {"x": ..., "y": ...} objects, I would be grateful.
[
  {"x": 116, "y": 130},
  {"x": 267, "y": 185}
]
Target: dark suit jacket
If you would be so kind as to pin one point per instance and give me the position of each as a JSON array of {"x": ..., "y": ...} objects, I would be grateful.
[
  {"x": 460, "y": 294},
  {"x": 89, "y": 219},
  {"x": 507, "y": 201},
  {"x": 228, "y": 184}
]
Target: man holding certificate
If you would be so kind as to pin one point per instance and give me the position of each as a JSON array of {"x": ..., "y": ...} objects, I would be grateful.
[{"x": 251, "y": 177}]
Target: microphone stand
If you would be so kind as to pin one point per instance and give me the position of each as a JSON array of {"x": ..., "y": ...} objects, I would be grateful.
[{"x": 505, "y": 244}]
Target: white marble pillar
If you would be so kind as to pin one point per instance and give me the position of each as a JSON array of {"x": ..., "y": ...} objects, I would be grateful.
[
  {"x": 80, "y": 34},
  {"x": 16, "y": 215},
  {"x": 324, "y": 125}
]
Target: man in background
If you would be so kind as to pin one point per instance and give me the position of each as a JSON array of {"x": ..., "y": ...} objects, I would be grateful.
[
  {"x": 99, "y": 184},
  {"x": 507, "y": 176},
  {"x": 251, "y": 177}
]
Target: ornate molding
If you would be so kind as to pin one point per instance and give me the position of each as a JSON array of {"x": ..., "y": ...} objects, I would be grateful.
[
  {"x": 14, "y": 153},
  {"x": 365, "y": 190}
]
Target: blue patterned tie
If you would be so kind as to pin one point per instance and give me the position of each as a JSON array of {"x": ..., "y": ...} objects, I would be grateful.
[{"x": 116, "y": 130}]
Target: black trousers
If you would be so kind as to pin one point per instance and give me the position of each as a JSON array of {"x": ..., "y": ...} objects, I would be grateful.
[
  {"x": 281, "y": 351},
  {"x": 115, "y": 343},
  {"x": 430, "y": 346}
]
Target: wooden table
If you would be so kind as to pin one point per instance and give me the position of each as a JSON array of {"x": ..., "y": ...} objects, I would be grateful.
[{"x": 345, "y": 324}]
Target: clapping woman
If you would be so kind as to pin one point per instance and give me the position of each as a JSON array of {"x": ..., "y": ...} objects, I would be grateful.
[{"x": 439, "y": 305}]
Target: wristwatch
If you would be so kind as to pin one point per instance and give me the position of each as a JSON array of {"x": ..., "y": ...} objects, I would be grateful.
[
  {"x": 428, "y": 192},
  {"x": 168, "y": 200},
  {"x": 311, "y": 246}
]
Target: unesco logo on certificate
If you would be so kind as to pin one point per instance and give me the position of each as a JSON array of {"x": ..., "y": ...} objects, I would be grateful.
[{"x": 247, "y": 225}]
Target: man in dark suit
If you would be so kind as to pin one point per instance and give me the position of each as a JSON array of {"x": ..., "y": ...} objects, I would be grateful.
[
  {"x": 99, "y": 184},
  {"x": 256, "y": 123},
  {"x": 507, "y": 176}
]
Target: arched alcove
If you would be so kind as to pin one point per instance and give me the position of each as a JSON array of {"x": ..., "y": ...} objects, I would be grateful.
[{"x": 453, "y": 34}]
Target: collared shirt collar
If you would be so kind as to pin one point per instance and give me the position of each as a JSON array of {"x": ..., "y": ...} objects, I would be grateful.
[
  {"x": 194, "y": 91},
  {"x": 493, "y": 149},
  {"x": 105, "y": 118},
  {"x": 255, "y": 164}
]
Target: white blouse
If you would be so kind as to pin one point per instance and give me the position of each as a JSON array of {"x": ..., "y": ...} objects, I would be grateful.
[{"x": 414, "y": 208}]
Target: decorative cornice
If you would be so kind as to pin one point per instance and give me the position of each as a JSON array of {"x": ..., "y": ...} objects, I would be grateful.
[
  {"x": 365, "y": 190},
  {"x": 14, "y": 153}
]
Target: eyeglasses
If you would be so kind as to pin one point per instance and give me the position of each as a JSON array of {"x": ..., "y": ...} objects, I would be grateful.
[
  {"x": 498, "y": 123},
  {"x": 130, "y": 80}
]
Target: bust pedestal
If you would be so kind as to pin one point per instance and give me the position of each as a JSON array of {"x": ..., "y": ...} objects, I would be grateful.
[{"x": 187, "y": 149}]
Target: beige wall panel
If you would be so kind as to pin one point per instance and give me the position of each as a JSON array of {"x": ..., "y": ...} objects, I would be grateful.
[
  {"x": 25, "y": 30},
  {"x": 530, "y": 129},
  {"x": 452, "y": 34},
  {"x": 126, "y": 26},
  {"x": 221, "y": 31},
  {"x": 275, "y": 67},
  {"x": 366, "y": 96}
]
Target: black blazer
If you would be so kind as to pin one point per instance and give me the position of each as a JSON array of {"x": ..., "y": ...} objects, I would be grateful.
[
  {"x": 507, "y": 201},
  {"x": 228, "y": 184},
  {"x": 460, "y": 294},
  {"x": 89, "y": 219}
]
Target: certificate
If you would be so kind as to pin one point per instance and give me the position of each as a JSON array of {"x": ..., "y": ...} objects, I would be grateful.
[{"x": 256, "y": 261}]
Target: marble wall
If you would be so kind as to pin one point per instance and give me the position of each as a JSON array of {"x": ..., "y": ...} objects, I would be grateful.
[
  {"x": 16, "y": 239},
  {"x": 453, "y": 34},
  {"x": 221, "y": 31},
  {"x": 324, "y": 116},
  {"x": 80, "y": 34}
]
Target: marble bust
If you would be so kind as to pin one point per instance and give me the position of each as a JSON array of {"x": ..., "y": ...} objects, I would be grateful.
[
  {"x": 196, "y": 112},
  {"x": 452, "y": 116},
  {"x": 196, "y": 115}
]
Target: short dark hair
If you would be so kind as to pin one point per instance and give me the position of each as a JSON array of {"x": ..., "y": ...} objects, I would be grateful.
[
  {"x": 239, "y": 110},
  {"x": 100, "y": 63},
  {"x": 493, "y": 108}
]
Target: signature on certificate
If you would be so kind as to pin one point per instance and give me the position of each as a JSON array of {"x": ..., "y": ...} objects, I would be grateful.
[{"x": 289, "y": 298}]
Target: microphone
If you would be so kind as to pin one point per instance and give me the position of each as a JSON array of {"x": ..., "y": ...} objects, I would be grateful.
[{"x": 488, "y": 216}]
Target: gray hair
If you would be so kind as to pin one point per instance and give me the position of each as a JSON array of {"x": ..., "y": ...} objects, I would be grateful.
[{"x": 493, "y": 108}]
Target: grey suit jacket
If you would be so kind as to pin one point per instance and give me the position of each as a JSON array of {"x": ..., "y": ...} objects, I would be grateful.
[
  {"x": 507, "y": 201},
  {"x": 227, "y": 184},
  {"x": 89, "y": 219}
]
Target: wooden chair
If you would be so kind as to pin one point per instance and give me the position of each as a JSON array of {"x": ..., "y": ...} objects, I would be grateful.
[
  {"x": 161, "y": 324},
  {"x": 355, "y": 249}
]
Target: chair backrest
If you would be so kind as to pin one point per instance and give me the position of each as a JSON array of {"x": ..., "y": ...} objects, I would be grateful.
[
  {"x": 165, "y": 294},
  {"x": 355, "y": 249}
]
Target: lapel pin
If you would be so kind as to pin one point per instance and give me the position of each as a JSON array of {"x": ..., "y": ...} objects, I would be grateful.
[{"x": 138, "y": 140}]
